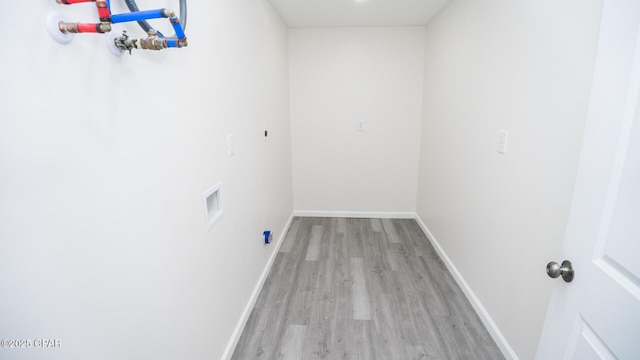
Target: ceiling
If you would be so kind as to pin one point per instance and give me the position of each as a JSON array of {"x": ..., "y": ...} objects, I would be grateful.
[{"x": 340, "y": 13}]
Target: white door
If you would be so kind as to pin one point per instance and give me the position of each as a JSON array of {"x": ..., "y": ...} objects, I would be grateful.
[{"x": 597, "y": 315}]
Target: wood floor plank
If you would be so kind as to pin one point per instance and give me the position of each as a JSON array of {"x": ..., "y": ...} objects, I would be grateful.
[
  {"x": 293, "y": 341},
  {"x": 250, "y": 346},
  {"x": 376, "y": 225},
  {"x": 290, "y": 237},
  {"x": 313, "y": 251},
  {"x": 271, "y": 291},
  {"x": 361, "y": 289},
  {"x": 359, "y": 295},
  {"x": 354, "y": 236},
  {"x": 390, "y": 230},
  {"x": 406, "y": 232},
  {"x": 393, "y": 256},
  {"x": 341, "y": 225},
  {"x": 302, "y": 296}
]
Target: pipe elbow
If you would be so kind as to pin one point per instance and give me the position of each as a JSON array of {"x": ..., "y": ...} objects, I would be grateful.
[
  {"x": 168, "y": 13},
  {"x": 104, "y": 27}
]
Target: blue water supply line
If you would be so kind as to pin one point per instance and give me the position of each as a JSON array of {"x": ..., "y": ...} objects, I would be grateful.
[{"x": 133, "y": 7}]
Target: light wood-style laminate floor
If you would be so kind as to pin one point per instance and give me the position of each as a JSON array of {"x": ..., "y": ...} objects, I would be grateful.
[{"x": 361, "y": 289}]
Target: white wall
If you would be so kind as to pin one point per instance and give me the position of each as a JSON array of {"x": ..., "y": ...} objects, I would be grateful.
[
  {"x": 103, "y": 162},
  {"x": 339, "y": 76},
  {"x": 525, "y": 67}
]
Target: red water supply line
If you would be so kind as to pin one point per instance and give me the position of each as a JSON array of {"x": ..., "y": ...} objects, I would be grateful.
[
  {"x": 103, "y": 8},
  {"x": 84, "y": 27}
]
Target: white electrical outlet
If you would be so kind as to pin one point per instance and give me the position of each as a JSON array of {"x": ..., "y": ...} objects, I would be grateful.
[
  {"x": 360, "y": 125},
  {"x": 502, "y": 141}
]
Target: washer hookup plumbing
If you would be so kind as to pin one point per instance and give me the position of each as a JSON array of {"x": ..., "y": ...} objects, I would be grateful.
[{"x": 63, "y": 31}]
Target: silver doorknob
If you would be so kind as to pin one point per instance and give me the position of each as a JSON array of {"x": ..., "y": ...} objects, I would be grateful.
[{"x": 565, "y": 270}]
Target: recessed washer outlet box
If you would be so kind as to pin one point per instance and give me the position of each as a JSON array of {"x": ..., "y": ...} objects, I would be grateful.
[{"x": 212, "y": 206}]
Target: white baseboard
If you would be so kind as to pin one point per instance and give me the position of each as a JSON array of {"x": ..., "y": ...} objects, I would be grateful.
[
  {"x": 235, "y": 337},
  {"x": 486, "y": 319},
  {"x": 355, "y": 214}
]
